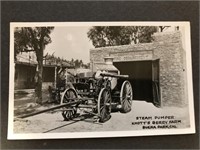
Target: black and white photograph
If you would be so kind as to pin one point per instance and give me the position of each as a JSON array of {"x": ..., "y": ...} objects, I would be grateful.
[{"x": 100, "y": 79}]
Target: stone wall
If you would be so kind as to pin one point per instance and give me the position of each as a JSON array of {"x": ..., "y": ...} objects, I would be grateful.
[
  {"x": 167, "y": 47},
  {"x": 123, "y": 53}
]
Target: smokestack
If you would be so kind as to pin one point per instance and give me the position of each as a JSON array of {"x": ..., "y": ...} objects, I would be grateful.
[{"x": 108, "y": 60}]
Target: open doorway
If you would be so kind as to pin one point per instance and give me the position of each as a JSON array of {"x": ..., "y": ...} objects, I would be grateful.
[{"x": 144, "y": 78}]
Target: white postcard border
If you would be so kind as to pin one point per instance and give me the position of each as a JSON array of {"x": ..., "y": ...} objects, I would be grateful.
[{"x": 12, "y": 135}]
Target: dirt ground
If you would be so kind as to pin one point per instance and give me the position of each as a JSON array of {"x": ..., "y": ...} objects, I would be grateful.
[{"x": 134, "y": 120}]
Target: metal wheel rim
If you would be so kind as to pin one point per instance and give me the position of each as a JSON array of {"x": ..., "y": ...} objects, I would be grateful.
[
  {"x": 104, "y": 99},
  {"x": 126, "y": 96},
  {"x": 69, "y": 93}
]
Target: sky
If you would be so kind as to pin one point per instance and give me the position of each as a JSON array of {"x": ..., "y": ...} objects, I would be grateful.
[{"x": 70, "y": 42}]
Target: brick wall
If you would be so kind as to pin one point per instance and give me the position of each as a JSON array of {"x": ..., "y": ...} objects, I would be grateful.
[
  {"x": 168, "y": 48},
  {"x": 132, "y": 52}
]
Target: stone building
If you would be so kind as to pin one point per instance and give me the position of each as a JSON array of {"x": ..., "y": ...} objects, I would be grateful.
[
  {"x": 26, "y": 66},
  {"x": 156, "y": 70}
]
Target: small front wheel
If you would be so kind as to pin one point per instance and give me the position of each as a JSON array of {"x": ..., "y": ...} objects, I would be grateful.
[{"x": 69, "y": 112}]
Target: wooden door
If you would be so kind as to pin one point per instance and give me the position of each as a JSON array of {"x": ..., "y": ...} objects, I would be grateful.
[{"x": 156, "y": 83}]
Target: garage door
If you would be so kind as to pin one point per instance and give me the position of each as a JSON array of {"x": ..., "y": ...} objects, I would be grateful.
[{"x": 140, "y": 73}]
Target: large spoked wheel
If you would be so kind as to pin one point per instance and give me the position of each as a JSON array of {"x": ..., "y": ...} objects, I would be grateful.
[
  {"x": 104, "y": 105},
  {"x": 69, "y": 112},
  {"x": 126, "y": 97}
]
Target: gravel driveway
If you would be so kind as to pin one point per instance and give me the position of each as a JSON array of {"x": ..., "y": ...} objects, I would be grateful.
[{"x": 141, "y": 110}]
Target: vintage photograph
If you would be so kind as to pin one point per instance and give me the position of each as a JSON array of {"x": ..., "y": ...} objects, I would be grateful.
[{"x": 100, "y": 79}]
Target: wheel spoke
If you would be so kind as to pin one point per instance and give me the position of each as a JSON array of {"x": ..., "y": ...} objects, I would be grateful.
[
  {"x": 103, "y": 112},
  {"x": 69, "y": 96},
  {"x": 105, "y": 97},
  {"x": 65, "y": 97},
  {"x": 129, "y": 91},
  {"x": 102, "y": 108},
  {"x": 129, "y": 101}
]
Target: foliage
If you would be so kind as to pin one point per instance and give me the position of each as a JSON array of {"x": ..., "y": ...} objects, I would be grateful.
[
  {"x": 31, "y": 38},
  {"x": 79, "y": 64},
  {"x": 76, "y": 63},
  {"x": 102, "y": 36}
]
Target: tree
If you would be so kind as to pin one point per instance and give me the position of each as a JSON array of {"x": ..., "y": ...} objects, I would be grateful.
[
  {"x": 33, "y": 39},
  {"x": 78, "y": 63},
  {"x": 102, "y": 36}
]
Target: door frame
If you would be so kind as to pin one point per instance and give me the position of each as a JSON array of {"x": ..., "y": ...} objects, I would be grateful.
[{"x": 156, "y": 90}]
